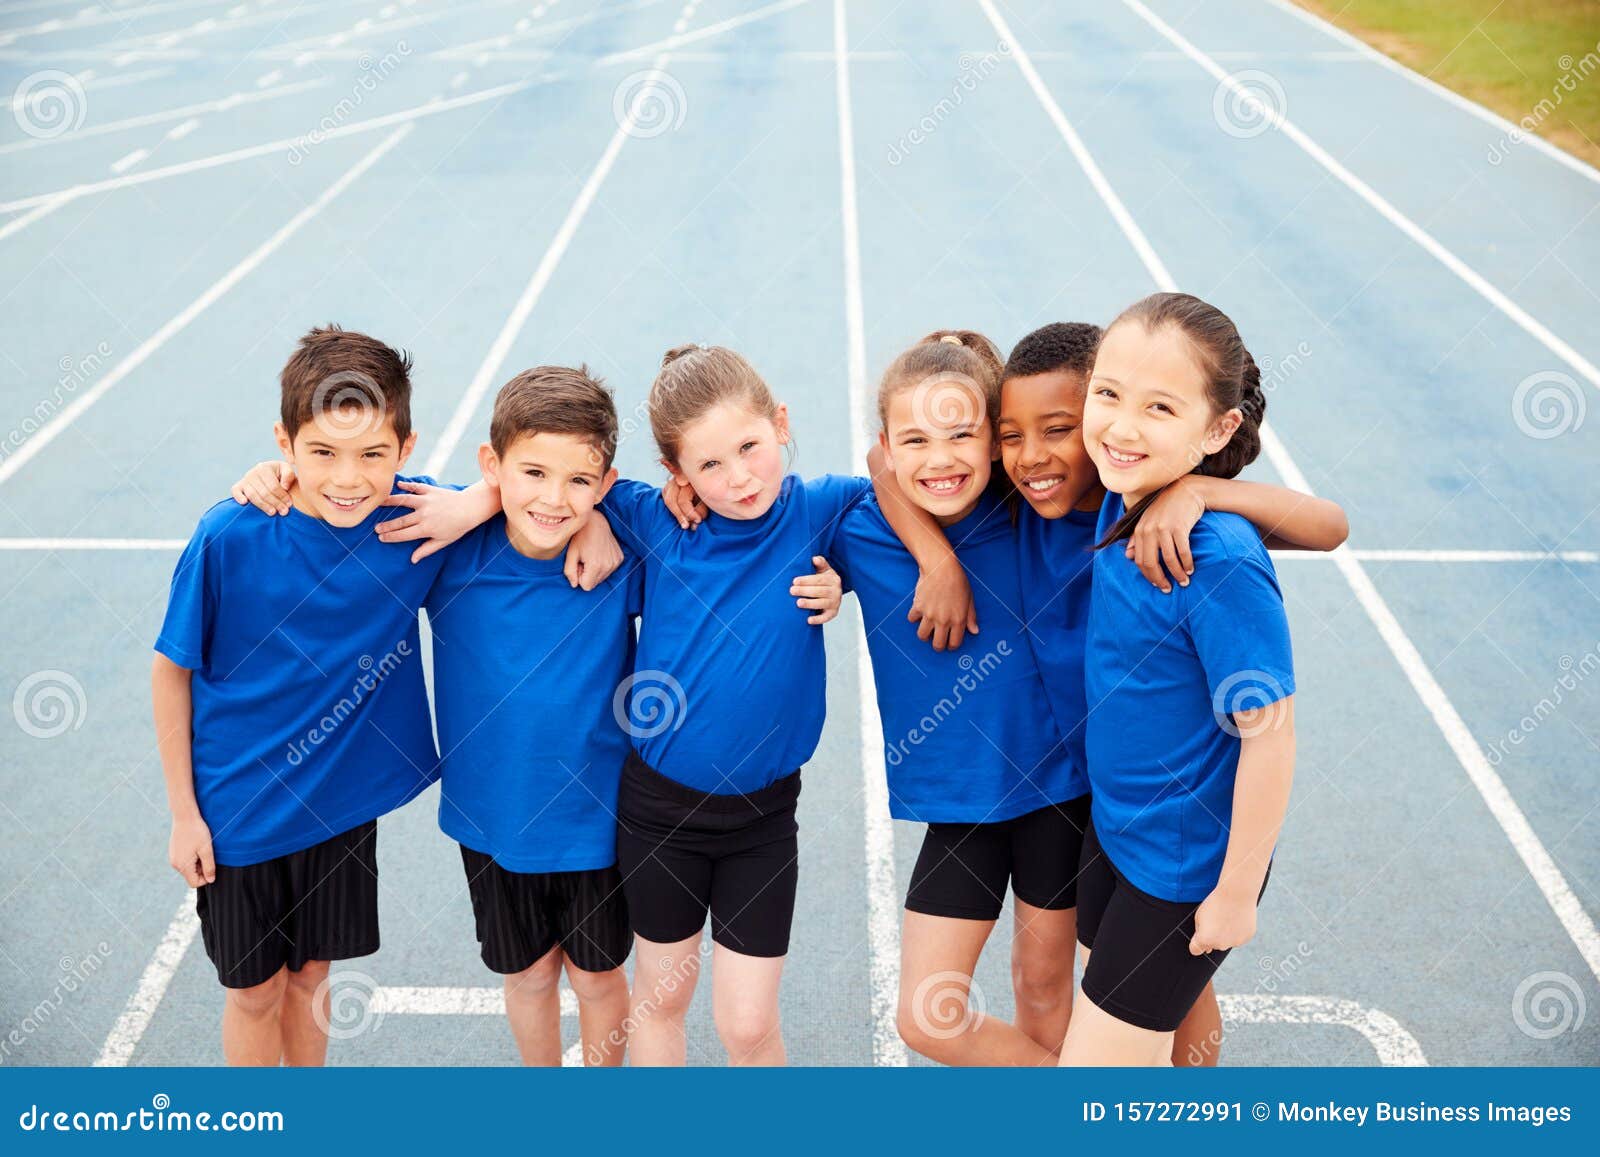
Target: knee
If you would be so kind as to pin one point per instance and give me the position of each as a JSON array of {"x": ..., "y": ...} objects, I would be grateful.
[
  {"x": 260, "y": 999},
  {"x": 745, "y": 1028},
  {"x": 539, "y": 979},
  {"x": 938, "y": 1041},
  {"x": 1042, "y": 986},
  {"x": 304, "y": 982},
  {"x": 597, "y": 985}
]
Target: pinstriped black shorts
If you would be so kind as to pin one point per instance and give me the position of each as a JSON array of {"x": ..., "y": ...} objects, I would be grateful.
[
  {"x": 320, "y": 903},
  {"x": 520, "y": 916}
]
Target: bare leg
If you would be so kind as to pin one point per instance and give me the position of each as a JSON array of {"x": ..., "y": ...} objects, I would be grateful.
[
  {"x": 533, "y": 1006},
  {"x": 937, "y": 956},
  {"x": 602, "y": 1013},
  {"x": 305, "y": 1015},
  {"x": 1198, "y": 1043},
  {"x": 252, "y": 1028},
  {"x": 1043, "y": 942},
  {"x": 1095, "y": 1037},
  {"x": 664, "y": 977},
  {"x": 744, "y": 1000}
]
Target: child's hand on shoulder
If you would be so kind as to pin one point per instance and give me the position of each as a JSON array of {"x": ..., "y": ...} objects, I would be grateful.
[
  {"x": 822, "y": 592},
  {"x": 942, "y": 607},
  {"x": 266, "y": 487},
  {"x": 1159, "y": 545},
  {"x": 683, "y": 503},
  {"x": 1226, "y": 919},
  {"x": 189, "y": 851},
  {"x": 593, "y": 554},
  {"x": 439, "y": 516}
]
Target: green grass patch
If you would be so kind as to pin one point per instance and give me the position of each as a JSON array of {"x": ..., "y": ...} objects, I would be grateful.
[{"x": 1535, "y": 62}]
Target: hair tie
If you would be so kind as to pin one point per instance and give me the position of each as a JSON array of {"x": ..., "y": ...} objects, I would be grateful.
[{"x": 952, "y": 338}]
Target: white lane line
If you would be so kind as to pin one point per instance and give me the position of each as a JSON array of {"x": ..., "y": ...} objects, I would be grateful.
[
  {"x": 141, "y": 1007},
  {"x": 419, "y": 1001},
  {"x": 489, "y": 370},
  {"x": 20, "y": 222},
  {"x": 475, "y": 47},
  {"x": 123, "y": 163},
  {"x": 1557, "y": 892},
  {"x": 1390, "y": 1040},
  {"x": 1529, "y": 324},
  {"x": 23, "y": 454},
  {"x": 883, "y": 910},
  {"x": 113, "y": 16},
  {"x": 1488, "y": 116},
  {"x": 93, "y": 84},
  {"x": 1468, "y": 556},
  {"x": 178, "y": 131},
  {"x": 268, "y": 79},
  {"x": 709, "y": 30}
]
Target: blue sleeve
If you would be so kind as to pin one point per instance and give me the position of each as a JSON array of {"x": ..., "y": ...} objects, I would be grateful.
[
  {"x": 635, "y": 511},
  {"x": 428, "y": 480},
  {"x": 827, "y": 498},
  {"x": 1236, "y": 620},
  {"x": 840, "y": 553},
  {"x": 635, "y": 587},
  {"x": 191, "y": 604}
]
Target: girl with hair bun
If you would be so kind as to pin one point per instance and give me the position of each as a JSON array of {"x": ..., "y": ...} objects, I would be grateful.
[{"x": 1190, "y": 731}]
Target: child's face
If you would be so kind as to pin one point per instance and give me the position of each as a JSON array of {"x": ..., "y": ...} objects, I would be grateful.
[
  {"x": 936, "y": 439},
  {"x": 1147, "y": 420},
  {"x": 1041, "y": 441},
  {"x": 549, "y": 484},
  {"x": 344, "y": 462},
  {"x": 734, "y": 459}
]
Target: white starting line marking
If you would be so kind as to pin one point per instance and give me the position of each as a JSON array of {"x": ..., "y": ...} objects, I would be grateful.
[
  {"x": 141, "y": 1007},
  {"x": 1388, "y": 1038}
]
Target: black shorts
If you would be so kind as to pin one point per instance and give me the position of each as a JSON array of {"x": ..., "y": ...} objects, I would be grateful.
[
  {"x": 1140, "y": 970},
  {"x": 520, "y": 916},
  {"x": 963, "y": 869},
  {"x": 320, "y": 903},
  {"x": 685, "y": 852}
]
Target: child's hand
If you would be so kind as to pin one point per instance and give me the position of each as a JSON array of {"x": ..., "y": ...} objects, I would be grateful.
[
  {"x": 266, "y": 487},
  {"x": 438, "y": 514},
  {"x": 593, "y": 554},
  {"x": 189, "y": 852},
  {"x": 822, "y": 592},
  {"x": 1226, "y": 919},
  {"x": 942, "y": 606},
  {"x": 1162, "y": 536},
  {"x": 683, "y": 503}
]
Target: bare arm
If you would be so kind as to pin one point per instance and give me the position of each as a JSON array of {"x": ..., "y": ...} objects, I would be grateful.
[
  {"x": 1285, "y": 519},
  {"x": 172, "y": 695},
  {"x": 1227, "y": 918},
  {"x": 942, "y": 604},
  {"x": 438, "y": 515}
]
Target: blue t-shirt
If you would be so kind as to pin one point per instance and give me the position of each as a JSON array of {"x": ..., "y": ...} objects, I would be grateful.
[
  {"x": 730, "y": 679},
  {"x": 524, "y": 672},
  {"x": 310, "y": 713},
  {"x": 968, "y": 735},
  {"x": 1165, "y": 673},
  {"x": 1055, "y": 560}
]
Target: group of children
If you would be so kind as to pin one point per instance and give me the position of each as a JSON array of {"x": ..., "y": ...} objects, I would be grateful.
[{"x": 1082, "y": 667}]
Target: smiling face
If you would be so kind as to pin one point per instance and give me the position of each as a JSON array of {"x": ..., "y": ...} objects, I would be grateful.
[
  {"x": 936, "y": 439},
  {"x": 344, "y": 464},
  {"x": 1148, "y": 419},
  {"x": 549, "y": 484},
  {"x": 733, "y": 458},
  {"x": 1041, "y": 442}
]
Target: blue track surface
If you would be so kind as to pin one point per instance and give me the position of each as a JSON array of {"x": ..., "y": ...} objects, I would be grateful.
[{"x": 1403, "y": 885}]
